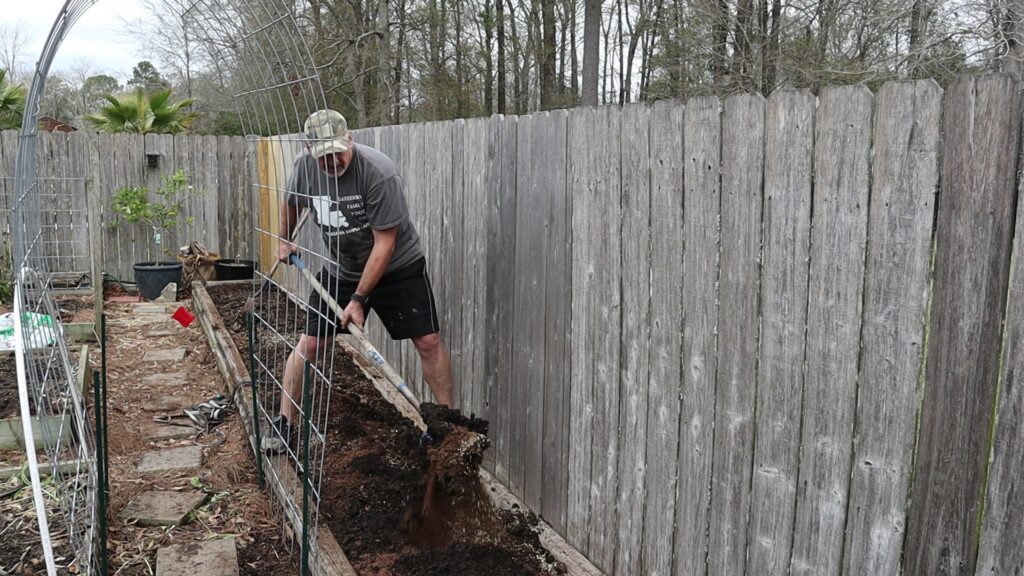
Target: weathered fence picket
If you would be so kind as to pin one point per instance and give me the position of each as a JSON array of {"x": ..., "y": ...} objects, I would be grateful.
[
  {"x": 789, "y": 141},
  {"x": 973, "y": 233},
  {"x": 666, "y": 344},
  {"x": 900, "y": 223},
  {"x": 736, "y": 372}
]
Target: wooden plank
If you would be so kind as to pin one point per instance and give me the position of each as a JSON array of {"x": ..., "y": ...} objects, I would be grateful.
[
  {"x": 1000, "y": 551},
  {"x": 474, "y": 267},
  {"x": 973, "y": 236},
  {"x": 501, "y": 205},
  {"x": 454, "y": 251},
  {"x": 212, "y": 204},
  {"x": 789, "y": 124},
  {"x": 635, "y": 152},
  {"x": 701, "y": 203},
  {"x": 528, "y": 281},
  {"x": 904, "y": 180},
  {"x": 557, "y": 323},
  {"x": 736, "y": 372},
  {"x": 835, "y": 297},
  {"x": 596, "y": 263},
  {"x": 663, "y": 400}
]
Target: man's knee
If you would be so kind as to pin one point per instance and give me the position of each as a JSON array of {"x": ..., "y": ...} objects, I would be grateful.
[
  {"x": 309, "y": 346},
  {"x": 429, "y": 345}
]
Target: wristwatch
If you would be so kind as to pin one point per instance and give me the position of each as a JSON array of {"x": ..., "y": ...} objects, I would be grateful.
[{"x": 357, "y": 297}]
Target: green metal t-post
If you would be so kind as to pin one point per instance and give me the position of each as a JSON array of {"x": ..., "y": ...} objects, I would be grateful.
[
  {"x": 250, "y": 328},
  {"x": 101, "y": 473},
  {"x": 103, "y": 403},
  {"x": 307, "y": 406}
]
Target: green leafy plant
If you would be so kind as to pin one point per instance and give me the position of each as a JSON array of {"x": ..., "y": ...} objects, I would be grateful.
[
  {"x": 136, "y": 112},
  {"x": 12, "y": 103},
  {"x": 132, "y": 205}
]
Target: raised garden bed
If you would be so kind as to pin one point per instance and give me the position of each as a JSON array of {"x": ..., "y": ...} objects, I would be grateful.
[
  {"x": 11, "y": 431},
  {"x": 374, "y": 476}
]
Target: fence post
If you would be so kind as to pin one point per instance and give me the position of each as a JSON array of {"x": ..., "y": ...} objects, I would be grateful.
[
  {"x": 307, "y": 405},
  {"x": 250, "y": 328},
  {"x": 101, "y": 470},
  {"x": 95, "y": 228}
]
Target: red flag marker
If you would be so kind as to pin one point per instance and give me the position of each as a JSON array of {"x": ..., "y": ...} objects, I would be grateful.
[{"x": 183, "y": 316}]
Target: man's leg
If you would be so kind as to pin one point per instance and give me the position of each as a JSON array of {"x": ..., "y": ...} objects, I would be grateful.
[
  {"x": 307, "y": 348},
  {"x": 437, "y": 367}
]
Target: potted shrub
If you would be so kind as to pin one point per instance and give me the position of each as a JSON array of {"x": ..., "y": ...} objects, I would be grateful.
[{"x": 132, "y": 205}]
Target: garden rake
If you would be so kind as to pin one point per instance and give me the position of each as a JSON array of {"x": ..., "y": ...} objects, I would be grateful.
[{"x": 250, "y": 304}]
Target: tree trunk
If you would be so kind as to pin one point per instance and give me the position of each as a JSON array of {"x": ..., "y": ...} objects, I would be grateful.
[
  {"x": 502, "y": 87},
  {"x": 591, "y": 50},
  {"x": 1013, "y": 60},
  {"x": 771, "y": 55},
  {"x": 742, "y": 61},
  {"x": 570, "y": 7},
  {"x": 383, "y": 63},
  {"x": 489, "y": 53},
  {"x": 399, "y": 62},
  {"x": 549, "y": 47},
  {"x": 720, "y": 69}
]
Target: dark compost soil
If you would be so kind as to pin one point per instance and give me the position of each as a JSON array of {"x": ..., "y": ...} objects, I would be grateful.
[
  {"x": 8, "y": 387},
  {"x": 396, "y": 507}
]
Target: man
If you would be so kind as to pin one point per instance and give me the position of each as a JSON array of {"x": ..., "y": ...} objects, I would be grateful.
[{"x": 358, "y": 199}]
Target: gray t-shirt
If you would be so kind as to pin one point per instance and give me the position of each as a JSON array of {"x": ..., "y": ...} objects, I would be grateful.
[{"x": 369, "y": 195}]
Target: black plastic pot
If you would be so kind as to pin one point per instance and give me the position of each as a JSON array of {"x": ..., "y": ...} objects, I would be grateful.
[
  {"x": 152, "y": 277},
  {"x": 234, "y": 269}
]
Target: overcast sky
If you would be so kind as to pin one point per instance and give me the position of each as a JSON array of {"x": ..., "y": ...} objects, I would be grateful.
[{"x": 97, "y": 36}]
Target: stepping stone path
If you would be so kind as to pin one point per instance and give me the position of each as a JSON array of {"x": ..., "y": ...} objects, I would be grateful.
[
  {"x": 162, "y": 508},
  {"x": 159, "y": 432},
  {"x": 164, "y": 404},
  {"x": 209, "y": 558},
  {"x": 170, "y": 460},
  {"x": 149, "y": 309},
  {"x": 165, "y": 379},
  {"x": 156, "y": 331},
  {"x": 165, "y": 355}
]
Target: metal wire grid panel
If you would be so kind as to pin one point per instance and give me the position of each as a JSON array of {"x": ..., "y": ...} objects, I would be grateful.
[
  {"x": 66, "y": 502},
  {"x": 62, "y": 239},
  {"x": 259, "y": 49}
]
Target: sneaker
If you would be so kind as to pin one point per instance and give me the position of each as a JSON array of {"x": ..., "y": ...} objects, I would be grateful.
[{"x": 275, "y": 440}]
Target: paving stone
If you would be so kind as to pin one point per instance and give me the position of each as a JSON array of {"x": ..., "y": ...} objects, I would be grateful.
[
  {"x": 169, "y": 293},
  {"x": 165, "y": 404},
  {"x": 165, "y": 355},
  {"x": 157, "y": 432},
  {"x": 149, "y": 309},
  {"x": 172, "y": 380},
  {"x": 171, "y": 459},
  {"x": 156, "y": 331},
  {"x": 208, "y": 558},
  {"x": 162, "y": 508}
]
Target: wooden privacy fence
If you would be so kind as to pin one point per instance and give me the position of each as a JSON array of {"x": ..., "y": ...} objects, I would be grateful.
[
  {"x": 220, "y": 212},
  {"x": 744, "y": 336}
]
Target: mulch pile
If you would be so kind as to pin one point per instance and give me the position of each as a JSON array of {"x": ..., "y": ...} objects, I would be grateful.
[{"x": 395, "y": 506}]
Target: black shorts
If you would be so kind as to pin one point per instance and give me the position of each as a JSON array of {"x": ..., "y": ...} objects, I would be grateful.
[{"x": 403, "y": 300}]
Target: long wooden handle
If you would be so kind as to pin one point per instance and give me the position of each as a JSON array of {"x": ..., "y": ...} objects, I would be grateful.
[
  {"x": 392, "y": 375},
  {"x": 291, "y": 238}
]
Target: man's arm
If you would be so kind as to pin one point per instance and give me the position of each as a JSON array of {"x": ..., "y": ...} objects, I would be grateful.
[
  {"x": 380, "y": 255},
  {"x": 285, "y": 248}
]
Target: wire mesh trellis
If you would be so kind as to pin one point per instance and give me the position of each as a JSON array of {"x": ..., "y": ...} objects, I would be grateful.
[
  {"x": 42, "y": 222},
  {"x": 260, "y": 46}
]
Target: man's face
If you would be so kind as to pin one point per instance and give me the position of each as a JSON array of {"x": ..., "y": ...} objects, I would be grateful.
[{"x": 337, "y": 163}]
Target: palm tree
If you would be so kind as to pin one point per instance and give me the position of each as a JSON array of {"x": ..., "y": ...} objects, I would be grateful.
[
  {"x": 12, "y": 103},
  {"x": 135, "y": 112}
]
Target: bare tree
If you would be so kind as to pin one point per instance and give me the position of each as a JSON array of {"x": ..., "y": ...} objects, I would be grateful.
[
  {"x": 591, "y": 50},
  {"x": 14, "y": 42}
]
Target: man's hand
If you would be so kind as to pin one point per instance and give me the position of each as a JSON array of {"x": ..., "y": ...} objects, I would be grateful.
[
  {"x": 354, "y": 312},
  {"x": 285, "y": 249}
]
